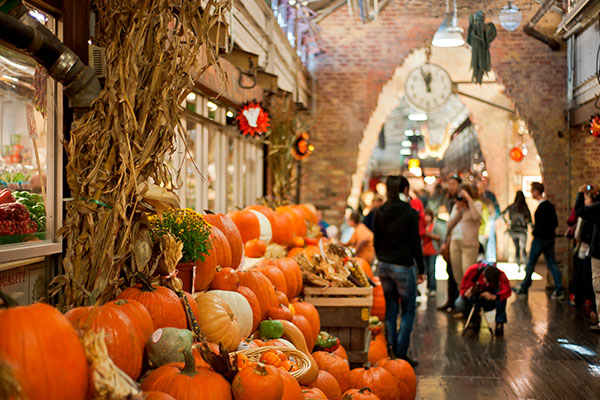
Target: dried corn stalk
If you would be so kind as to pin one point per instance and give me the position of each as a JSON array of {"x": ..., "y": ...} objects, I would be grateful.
[{"x": 119, "y": 148}]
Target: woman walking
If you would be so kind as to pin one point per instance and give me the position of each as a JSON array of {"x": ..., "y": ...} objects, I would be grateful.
[
  {"x": 398, "y": 249},
  {"x": 519, "y": 219}
]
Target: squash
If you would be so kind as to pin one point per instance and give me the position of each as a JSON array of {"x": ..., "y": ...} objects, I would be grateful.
[
  {"x": 167, "y": 345},
  {"x": 302, "y": 323},
  {"x": 404, "y": 375},
  {"x": 311, "y": 393},
  {"x": 280, "y": 312},
  {"x": 378, "y": 349},
  {"x": 255, "y": 248},
  {"x": 282, "y": 234},
  {"x": 336, "y": 366},
  {"x": 206, "y": 268},
  {"x": 186, "y": 382},
  {"x": 275, "y": 275},
  {"x": 43, "y": 351},
  {"x": 217, "y": 321},
  {"x": 262, "y": 288},
  {"x": 293, "y": 334},
  {"x": 139, "y": 316},
  {"x": 232, "y": 233},
  {"x": 298, "y": 221},
  {"x": 341, "y": 352},
  {"x": 291, "y": 387},
  {"x": 311, "y": 314},
  {"x": 221, "y": 247},
  {"x": 380, "y": 381},
  {"x": 225, "y": 279},
  {"x": 328, "y": 385},
  {"x": 282, "y": 298},
  {"x": 360, "y": 394},
  {"x": 293, "y": 275},
  {"x": 252, "y": 300},
  {"x": 252, "y": 225},
  {"x": 260, "y": 382},
  {"x": 240, "y": 307}
]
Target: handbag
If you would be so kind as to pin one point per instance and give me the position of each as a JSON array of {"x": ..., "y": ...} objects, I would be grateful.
[{"x": 445, "y": 252}]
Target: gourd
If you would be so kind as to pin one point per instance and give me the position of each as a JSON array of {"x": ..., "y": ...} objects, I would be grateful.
[
  {"x": 293, "y": 334},
  {"x": 167, "y": 345},
  {"x": 240, "y": 307},
  {"x": 217, "y": 321}
]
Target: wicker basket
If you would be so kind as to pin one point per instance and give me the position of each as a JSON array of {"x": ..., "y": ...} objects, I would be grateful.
[{"x": 300, "y": 358}]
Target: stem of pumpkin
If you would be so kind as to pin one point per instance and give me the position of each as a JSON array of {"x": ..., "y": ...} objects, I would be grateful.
[
  {"x": 146, "y": 284},
  {"x": 261, "y": 370},
  {"x": 365, "y": 389},
  {"x": 190, "y": 363},
  {"x": 7, "y": 301}
]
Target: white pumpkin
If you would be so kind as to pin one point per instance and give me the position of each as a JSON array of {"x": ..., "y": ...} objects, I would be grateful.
[
  {"x": 266, "y": 231},
  {"x": 240, "y": 307}
]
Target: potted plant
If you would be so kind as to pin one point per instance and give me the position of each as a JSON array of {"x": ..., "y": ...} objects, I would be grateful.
[{"x": 190, "y": 228}]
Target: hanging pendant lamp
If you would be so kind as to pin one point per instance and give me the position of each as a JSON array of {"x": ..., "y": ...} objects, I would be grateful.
[{"x": 449, "y": 34}]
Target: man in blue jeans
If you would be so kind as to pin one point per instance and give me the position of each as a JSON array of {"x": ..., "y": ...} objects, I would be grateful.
[
  {"x": 398, "y": 247},
  {"x": 546, "y": 222}
]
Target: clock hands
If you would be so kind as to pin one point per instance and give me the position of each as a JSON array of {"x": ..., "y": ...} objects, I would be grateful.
[{"x": 427, "y": 78}]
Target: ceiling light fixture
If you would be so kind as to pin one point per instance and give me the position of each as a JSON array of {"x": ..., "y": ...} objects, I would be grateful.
[
  {"x": 510, "y": 17},
  {"x": 406, "y": 143},
  {"x": 417, "y": 117},
  {"x": 409, "y": 133},
  {"x": 449, "y": 34},
  {"x": 406, "y": 152}
]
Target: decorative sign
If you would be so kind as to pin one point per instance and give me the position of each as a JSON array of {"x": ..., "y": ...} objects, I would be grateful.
[
  {"x": 252, "y": 119},
  {"x": 594, "y": 125},
  {"x": 516, "y": 153},
  {"x": 302, "y": 148}
]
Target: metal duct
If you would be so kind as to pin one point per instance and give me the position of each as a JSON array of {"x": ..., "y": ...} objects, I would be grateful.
[{"x": 529, "y": 28}]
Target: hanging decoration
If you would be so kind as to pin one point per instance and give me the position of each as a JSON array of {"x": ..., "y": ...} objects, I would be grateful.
[
  {"x": 252, "y": 119},
  {"x": 510, "y": 17},
  {"x": 516, "y": 153},
  {"x": 302, "y": 147},
  {"x": 594, "y": 125},
  {"x": 480, "y": 37}
]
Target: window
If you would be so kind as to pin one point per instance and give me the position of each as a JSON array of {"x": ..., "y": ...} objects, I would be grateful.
[{"x": 29, "y": 155}]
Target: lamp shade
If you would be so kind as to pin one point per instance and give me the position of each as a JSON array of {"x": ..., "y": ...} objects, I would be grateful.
[
  {"x": 448, "y": 34},
  {"x": 510, "y": 17}
]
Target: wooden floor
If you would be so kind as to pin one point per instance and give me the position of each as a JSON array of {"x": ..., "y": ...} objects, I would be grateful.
[{"x": 547, "y": 353}]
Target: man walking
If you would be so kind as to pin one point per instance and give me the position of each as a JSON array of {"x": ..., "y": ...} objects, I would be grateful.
[{"x": 545, "y": 225}]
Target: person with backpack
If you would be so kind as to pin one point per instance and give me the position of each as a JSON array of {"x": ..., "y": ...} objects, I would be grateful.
[{"x": 519, "y": 219}]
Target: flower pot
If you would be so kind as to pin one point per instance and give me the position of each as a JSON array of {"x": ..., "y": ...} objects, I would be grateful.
[{"x": 187, "y": 274}]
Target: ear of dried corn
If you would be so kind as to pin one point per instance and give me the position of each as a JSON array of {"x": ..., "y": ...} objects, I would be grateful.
[{"x": 118, "y": 149}]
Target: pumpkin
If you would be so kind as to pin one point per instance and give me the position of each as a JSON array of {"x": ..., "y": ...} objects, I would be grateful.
[
  {"x": 206, "y": 268},
  {"x": 293, "y": 334},
  {"x": 311, "y": 314},
  {"x": 336, "y": 366},
  {"x": 276, "y": 277},
  {"x": 232, "y": 233},
  {"x": 186, "y": 382},
  {"x": 139, "y": 316},
  {"x": 166, "y": 344},
  {"x": 251, "y": 298},
  {"x": 221, "y": 247},
  {"x": 293, "y": 275},
  {"x": 282, "y": 298},
  {"x": 341, "y": 352},
  {"x": 252, "y": 225},
  {"x": 328, "y": 385},
  {"x": 121, "y": 337},
  {"x": 298, "y": 242},
  {"x": 225, "y": 279},
  {"x": 45, "y": 354},
  {"x": 309, "y": 213},
  {"x": 378, "y": 308},
  {"x": 381, "y": 382},
  {"x": 282, "y": 234},
  {"x": 365, "y": 266},
  {"x": 378, "y": 349},
  {"x": 302, "y": 323},
  {"x": 360, "y": 394},
  {"x": 291, "y": 388},
  {"x": 313, "y": 393},
  {"x": 162, "y": 303},
  {"x": 280, "y": 312},
  {"x": 152, "y": 395},
  {"x": 263, "y": 288},
  {"x": 270, "y": 214},
  {"x": 255, "y": 248},
  {"x": 297, "y": 216},
  {"x": 261, "y": 382},
  {"x": 240, "y": 307},
  {"x": 295, "y": 251},
  {"x": 310, "y": 251},
  {"x": 404, "y": 375},
  {"x": 198, "y": 359},
  {"x": 217, "y": 321}
]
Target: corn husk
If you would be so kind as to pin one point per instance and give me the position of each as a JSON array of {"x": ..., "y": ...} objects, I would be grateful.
[
  {"x": 275, "y": 250},
  {"x": 9, "y": 386}
]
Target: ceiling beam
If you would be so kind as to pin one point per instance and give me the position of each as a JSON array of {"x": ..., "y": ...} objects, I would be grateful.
[{"x": 325, "y": 12}]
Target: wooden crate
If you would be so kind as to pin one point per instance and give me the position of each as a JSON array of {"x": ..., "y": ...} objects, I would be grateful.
[{"x": 345, "y": 312}]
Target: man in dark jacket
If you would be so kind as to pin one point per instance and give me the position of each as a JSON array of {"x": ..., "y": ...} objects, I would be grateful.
[
  {"x": 398, "y": 249},
  {"x": 587, "y": 207},
  {"x": 544, "y": 229}
]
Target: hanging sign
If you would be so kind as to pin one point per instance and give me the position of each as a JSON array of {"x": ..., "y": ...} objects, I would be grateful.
[
  {"x": 516, "y": 153},
  {"x": 594, "y": 125},
  {"x": 252, "y": 119}
]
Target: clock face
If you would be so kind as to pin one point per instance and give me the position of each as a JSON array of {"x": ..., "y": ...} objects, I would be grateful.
[{"x": 428, "y": 87}]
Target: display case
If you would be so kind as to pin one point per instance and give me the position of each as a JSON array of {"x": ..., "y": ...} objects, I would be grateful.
[{"x": 30, "y": 152}]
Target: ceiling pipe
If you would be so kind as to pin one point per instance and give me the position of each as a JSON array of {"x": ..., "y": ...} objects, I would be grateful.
[{"x": 529, "y": 28}]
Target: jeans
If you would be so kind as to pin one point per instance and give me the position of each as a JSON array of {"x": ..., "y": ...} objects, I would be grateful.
[
  {"x": 490, "y": 247},
  {"x": 464, "y": 305},
  {"x": 430, "y": 271},
  {"x": 520, "y": 242},
  {"x": 399, "y": 284},
  {"x": 538, "y": 247}
]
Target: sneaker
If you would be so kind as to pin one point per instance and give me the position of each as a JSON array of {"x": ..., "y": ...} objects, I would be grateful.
[
  {"x": 413, "y": 363},
  {"x": 519, "y": 290},
  {"x": 499, "y": 331},
  {"x": 558, "y": 296},
  {"x": 431, "y": 293},
  {"x": 446, "y": 307},
  {"x": 595, "y": 328}
]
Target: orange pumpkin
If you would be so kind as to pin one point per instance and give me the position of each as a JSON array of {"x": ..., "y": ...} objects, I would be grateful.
[
  {"x": 276, "y": 277},
  {"x": 341, "y": 352},
  {"x": 280, "y": 312},
  {"x": 291, "y": 387},
  {"x": 186, "y": 382},
  {"x": 404, "y": 375},
  {"x": 121, "y": 337},
  {"x": 298, "y": 241},
  {"x": 207, "y": 269},
  {"x": 310, "y": 251},
  {"x": 309, "y": 214},
  {"x": 378, "y": 349},
  {"x": 302, "y": 323},
  {"x": 283, "y": 299},
  {"x": 360, "y": 394},
  {"x": 311, "y": 314},
  {"x": 255, "y": 248},
  {"x": 380, "y": 381},
  {"x": 254, "y": 305},
  {"x": 328, "y": 385},
  {"x": 293, "y": 276},
  {"x": 139, "y": 316},
  {"x": 232, "y": 233},
  {"x": 262, "y": 382},
  {"x": 43, "y": 351},
  {"x": 378, "y": 308},
  {"x": 225, "y": 279},
  {"x": 282, "y": 233},
  {"x": 297, "y": 217},
  {"x": 295, "y": 251},
  {"x": 217, "y": 321},
  {"x": 222, "y": 247},
  {"x": 270, "y": 214},
  {"x": 311, "y": 393},
  {"x": 262, "y": 288},
  {"x": 152, "y": 395},
  {"x": 336, "y": 366},
  {"x": 365, "y": 266},
  {"x": 252, "y": 225}
]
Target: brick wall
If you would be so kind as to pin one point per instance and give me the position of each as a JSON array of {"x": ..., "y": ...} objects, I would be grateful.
[{"x": 361, "y": 58}]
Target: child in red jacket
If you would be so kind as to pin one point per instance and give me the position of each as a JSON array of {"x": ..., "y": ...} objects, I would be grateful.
[{"x": 484, "y": 286}]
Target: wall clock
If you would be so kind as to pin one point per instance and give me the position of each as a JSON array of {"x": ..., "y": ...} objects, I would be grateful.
[{"x": 428, "y": 87}]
